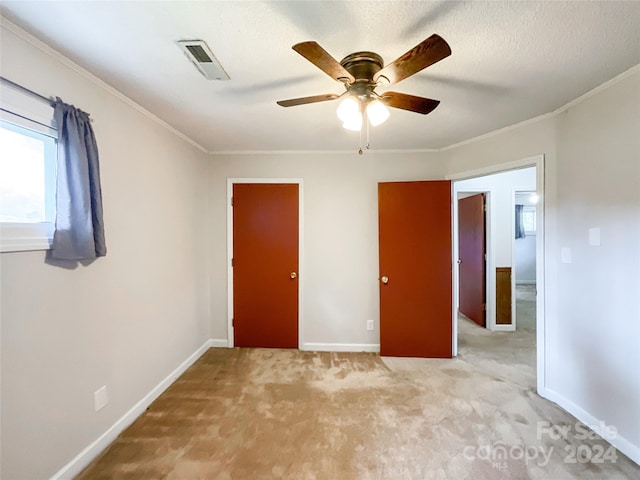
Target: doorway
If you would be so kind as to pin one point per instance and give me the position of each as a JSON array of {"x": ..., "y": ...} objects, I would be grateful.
[
  {"x": 264, "y": 271},
  {"x": 524, "y": 259},
  {"x": 476, "y": 181}
]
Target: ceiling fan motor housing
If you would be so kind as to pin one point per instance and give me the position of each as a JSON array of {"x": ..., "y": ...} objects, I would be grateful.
[{"x": 363, "y": 66}]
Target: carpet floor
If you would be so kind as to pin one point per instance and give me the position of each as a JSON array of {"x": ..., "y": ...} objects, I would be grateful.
[
  {"x": 287, "y": 414},
  {"x": 526, "y": 307}
]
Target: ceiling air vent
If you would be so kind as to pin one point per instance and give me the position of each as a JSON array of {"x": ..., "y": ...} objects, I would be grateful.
[{"x": 200, "y": 55}]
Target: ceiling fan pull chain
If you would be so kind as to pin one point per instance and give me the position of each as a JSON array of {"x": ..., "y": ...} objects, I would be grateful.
[
  {"x": 368, "y": 143},
  {"x": 360, "y": 151}
]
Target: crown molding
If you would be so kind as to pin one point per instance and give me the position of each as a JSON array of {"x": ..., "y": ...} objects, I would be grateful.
[
  {"x": 552, "y": 114},
  {"x": 100, "y": 83},
  {"x": 500, "y": 131},
  {"x": 319, "y": 152},
  {"x": 609, "y": 83},
  {"x": 603, "y": 86},
  {"x": 60, "y": 58}
]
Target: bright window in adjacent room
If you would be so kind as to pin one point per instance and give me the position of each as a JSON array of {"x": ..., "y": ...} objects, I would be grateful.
[
  {"x": 28, "y": 153},
  {"x": 529, "y": 219}
]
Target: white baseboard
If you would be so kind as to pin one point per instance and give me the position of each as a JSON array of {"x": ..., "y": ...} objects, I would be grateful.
[
  {"x": 621, "y": 443},
  {"x": 525, "y": 282},
  {"x": 340, "y": 347},
  {"x": 219, "y": 343},
  {"x": 86, "y": 456},
  {"x": 503, "y": 328}
]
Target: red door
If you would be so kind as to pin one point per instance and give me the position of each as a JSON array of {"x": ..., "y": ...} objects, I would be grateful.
[
  {"x": 265, "y": 265},
  {"x": 471, "y": 253},
  {"x": 414, "y": 221}
]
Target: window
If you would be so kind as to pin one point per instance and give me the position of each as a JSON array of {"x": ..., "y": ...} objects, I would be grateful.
[
  {"x": 28, "y": 154},
  {"x": 529, "y": 219},
  {"x": 26, "y": 177}
]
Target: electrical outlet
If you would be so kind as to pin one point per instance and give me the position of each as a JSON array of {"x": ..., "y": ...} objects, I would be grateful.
[
  {"x": 100, "y": 398},
  {"x": 369, "y": 324}
]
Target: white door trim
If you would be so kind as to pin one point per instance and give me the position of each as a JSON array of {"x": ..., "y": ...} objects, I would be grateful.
[
  {"x": 541, "y": 344},
  {"x": 230, "y": 183}
]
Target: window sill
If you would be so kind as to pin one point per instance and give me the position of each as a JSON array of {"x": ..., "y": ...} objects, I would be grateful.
[{"x": 22, "y": 237}]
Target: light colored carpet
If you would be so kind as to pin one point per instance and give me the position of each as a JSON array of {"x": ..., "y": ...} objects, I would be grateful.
[
  {"x": 526, "y": 307},
  {"x": 286, "y": 414}
]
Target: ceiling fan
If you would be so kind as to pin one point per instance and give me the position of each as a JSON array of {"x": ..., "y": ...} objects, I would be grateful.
[{"x": 362, "y": 72}]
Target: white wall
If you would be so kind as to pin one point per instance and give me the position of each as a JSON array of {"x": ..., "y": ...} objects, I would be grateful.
[
  {"x": 592, "y": 306},
  {"x": 340, "y": 259},
  {"x": 127, "y": 320},
  {"x": 525, "y": 258},
  {"x": 501, "y": 187}
]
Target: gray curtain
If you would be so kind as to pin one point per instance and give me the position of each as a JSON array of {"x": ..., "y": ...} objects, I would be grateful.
[
  {"x": 79, "y": 230},
  {"x": 519, "y": 225}
]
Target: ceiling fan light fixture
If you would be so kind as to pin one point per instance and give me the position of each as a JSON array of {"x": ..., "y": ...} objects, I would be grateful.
[
  {"x": 348, "y": 109},
  {"x": 377, "y": 113},
  {"x": 350, "y": 112},
  {"x": 354, "y": 123}
]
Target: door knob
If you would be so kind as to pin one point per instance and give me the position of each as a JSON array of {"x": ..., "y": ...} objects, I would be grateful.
[
  {"x": 293, "y": 275},
  {"x": 459, "y": 261},
  {"x": 384, "y": 279}
]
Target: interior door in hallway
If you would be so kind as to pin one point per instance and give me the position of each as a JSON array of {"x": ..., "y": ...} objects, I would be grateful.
[
  {"x": 472, "y": 260},
  {"x": 415, "y": 253},
  {"x": 265, "y": 265}
]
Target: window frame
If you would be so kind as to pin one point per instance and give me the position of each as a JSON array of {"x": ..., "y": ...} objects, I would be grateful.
[{"x": 29, "y": 116}]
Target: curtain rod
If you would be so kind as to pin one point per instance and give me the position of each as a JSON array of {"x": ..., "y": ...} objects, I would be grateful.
[{"x": 42, "y": 98}]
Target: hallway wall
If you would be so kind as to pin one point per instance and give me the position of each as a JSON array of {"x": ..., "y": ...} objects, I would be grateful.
[{"x": 592, "y": 180}]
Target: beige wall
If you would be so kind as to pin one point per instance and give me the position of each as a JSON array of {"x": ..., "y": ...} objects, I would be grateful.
[
  {"x": 515, "y": 143},
  {"x": 592, "y": 305},
  {"x": 340, "y": 251},
  {"x": 127, "y": 320},
  {"x": 594, "y": 354}
]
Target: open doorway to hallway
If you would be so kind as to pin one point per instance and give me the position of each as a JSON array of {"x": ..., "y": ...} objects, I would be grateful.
[
  {"x": 524, "y": 254},
  {"x": 509, "y": 340}
]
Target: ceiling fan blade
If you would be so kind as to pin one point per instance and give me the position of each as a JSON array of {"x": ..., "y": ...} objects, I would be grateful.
[
  {"x": 301, "y": 101},
  {"x": 409, "y": 102},
  {"x": 325, "y": 62},
  {"x": 426, "y": 53}
]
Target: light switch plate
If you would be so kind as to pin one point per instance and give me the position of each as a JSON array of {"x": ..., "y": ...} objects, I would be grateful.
[
  {"x": 100, "y": 398},
  {"x": 594, "y": 237}
]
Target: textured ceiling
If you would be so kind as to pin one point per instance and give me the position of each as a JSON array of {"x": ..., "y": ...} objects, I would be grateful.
[{"x": 511, "y": 61}]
